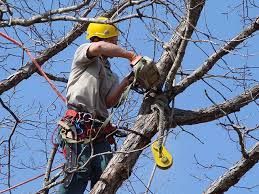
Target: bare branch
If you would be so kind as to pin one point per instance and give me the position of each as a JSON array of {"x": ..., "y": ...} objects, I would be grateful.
[
  {"x": 236, "y": 128},
  {"x": 45, "y": 17},
  {"x": 211, "y": 61},
  {"x": 10, "y": 140},
  {"x": 49, "y": 166},
  {"x": 171, "y": 48},
  {"x": 191, "y": 20},
  {"x": 55, "y": 78},
  {"x": 187, "y": 117},
  {"x": 233, "y": 175}
]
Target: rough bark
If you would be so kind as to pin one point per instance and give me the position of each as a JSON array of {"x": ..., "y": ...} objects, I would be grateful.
[
  {"x": 119, "y": 168},
  {"x": 121, "y": 164}
]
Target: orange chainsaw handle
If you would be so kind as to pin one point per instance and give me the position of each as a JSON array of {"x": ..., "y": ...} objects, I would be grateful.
[{"x": 135, "y": 60}]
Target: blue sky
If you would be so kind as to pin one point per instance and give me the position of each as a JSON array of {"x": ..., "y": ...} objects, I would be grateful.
[{"x": 217, "y": 148}]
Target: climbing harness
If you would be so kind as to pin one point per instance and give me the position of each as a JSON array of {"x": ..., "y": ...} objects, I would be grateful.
[
  {"x": 81, "y": 128},
  {"x": 162, "y": 157},
  {"x": 77, "y": 128}
]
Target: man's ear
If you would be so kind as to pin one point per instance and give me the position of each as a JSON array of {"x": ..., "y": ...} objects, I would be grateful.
[{"x": 95, "y": 39}]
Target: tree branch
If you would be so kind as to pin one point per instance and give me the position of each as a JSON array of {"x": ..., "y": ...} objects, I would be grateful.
[
  {"x": 49, "y": 166},
  {"x": 119, "y": 168},
  {"x": 55, "y": 78},
  {"x": 17, "y": 121},
  {"x": 171, "y": 47},
  {"x": 211, "y": 61},
  {"x": 188, "y": 117},
  {"x": 45, "y": 17},
  {"x": 233, "y": 175},
  {"x": 191, "y": 21}
]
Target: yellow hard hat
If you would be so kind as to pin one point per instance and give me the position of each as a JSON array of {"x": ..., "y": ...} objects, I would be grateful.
[{"x": 101, "y": 30}]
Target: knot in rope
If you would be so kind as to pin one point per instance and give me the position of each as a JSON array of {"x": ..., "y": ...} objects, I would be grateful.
[{"x": 161, "y": 106}]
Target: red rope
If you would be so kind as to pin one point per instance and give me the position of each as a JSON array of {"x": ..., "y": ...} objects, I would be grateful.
[
  {"x": 36, "y": 64},
  {"x": 29, "y": 180},
  {"x": 52, "y": 86}
]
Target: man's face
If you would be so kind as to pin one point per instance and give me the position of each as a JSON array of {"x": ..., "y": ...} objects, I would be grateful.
[{"x": 113, "y": 40}]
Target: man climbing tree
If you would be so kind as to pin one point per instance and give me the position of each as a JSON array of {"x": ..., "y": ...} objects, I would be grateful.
[
  {"x": 92, "y": 89},
  {"x": 205, "y": 102}
]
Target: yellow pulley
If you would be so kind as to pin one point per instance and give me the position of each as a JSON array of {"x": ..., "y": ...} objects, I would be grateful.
[{"x": 162, "y": 157}]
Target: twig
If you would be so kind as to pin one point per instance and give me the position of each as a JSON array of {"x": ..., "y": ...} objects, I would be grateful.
[
  {"x": 49, "y": 166},
  {"x": 240, "y": 136},
  {"x": 211, "y": 61},
  {"x": 9, "y": 141}
]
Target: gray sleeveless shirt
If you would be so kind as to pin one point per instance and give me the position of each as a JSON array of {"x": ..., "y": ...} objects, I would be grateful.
[{"x": 90, "y": 81}]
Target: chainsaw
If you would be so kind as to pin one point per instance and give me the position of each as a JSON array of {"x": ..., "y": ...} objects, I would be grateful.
[{"x": 146, "y": 75}]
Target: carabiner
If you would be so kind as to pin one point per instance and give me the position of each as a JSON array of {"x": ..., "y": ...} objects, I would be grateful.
[
  {"x": 79, "y": 130},
  {"x": 87, "y": 117}
]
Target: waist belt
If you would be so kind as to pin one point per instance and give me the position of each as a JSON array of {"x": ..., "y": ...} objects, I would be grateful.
[
  {"x": 81, "y": 127},
  {"x": 72, "y": 108},
  {"x": 86, "y": 116}
]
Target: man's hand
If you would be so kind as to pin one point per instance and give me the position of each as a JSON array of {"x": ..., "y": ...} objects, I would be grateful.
[
  {"x": 130, "y": 77},
  {"x": 113, "y": 97},
  {"x": 135, "y": 60}
]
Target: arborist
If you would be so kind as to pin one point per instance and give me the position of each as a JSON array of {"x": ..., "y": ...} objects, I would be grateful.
[{"x": 92, "y": 89}]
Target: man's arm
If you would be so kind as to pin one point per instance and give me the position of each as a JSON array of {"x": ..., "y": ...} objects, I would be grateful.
[
  {"x": 107, "y": 49},
  {"x": 114, "y": 96}
]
